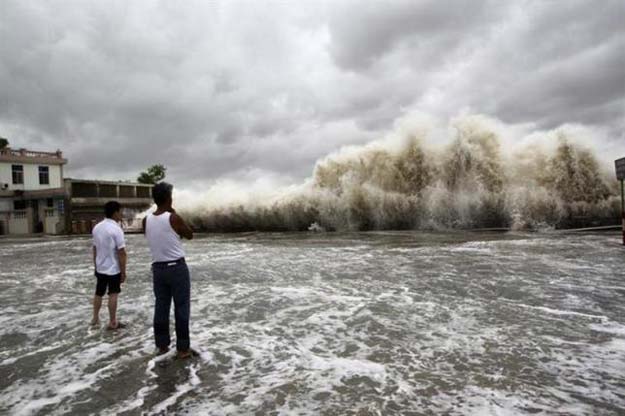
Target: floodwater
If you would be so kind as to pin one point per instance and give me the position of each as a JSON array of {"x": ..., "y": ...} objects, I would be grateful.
[{"x": 397, "y": 323}]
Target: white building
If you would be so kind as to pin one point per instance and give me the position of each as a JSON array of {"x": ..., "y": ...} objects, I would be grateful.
[{"x": 31, "y": 192}]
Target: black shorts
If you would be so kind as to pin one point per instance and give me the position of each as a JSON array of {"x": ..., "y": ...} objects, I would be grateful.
[{"x": 113, "y": 283}]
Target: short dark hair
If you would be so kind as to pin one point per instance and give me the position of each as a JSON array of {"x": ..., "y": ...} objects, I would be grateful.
[
  {"x": 111, "y": 208},
  {"x": 161, "y": 192}
]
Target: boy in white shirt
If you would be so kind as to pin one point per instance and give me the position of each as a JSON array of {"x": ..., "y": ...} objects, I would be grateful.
[{"x": 109, "y": 259}]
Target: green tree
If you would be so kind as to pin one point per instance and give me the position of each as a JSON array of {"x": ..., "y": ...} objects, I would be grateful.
[
  {"x": 152, "y": 175},
  {"x": 4, "y": 143}
]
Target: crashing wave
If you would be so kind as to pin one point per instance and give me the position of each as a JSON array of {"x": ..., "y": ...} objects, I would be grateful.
[{"x": 406, "y": 182}]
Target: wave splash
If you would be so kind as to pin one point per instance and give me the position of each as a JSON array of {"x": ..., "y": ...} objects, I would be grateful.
[{"x": 478, "y": 179}]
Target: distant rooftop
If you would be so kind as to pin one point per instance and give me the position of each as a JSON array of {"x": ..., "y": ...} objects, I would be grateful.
[
  {"x": 30, "y": 156},
  {"x": 107, "y": 182}
]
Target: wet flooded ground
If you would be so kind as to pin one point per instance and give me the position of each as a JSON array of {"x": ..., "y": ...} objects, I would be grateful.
[{"x": 394, "y": 323}]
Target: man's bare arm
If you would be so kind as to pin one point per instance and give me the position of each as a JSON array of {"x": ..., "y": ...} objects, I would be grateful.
[
  {"x": 180, "y": 227},
  {"x": 94, "y": 256},
  {"x": 123, "y": 258},
  {"x": 143, "y": 224}
]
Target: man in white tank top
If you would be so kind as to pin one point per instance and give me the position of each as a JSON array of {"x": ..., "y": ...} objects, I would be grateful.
[{"x": 164, "y": 230}]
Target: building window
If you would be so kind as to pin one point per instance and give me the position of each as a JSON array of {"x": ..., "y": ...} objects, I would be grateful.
[
  {"x": 18, "y": 174},
  {"x": 50, "y": 203},
  {"x": 19, "y": 205},
  {"x": 44, "y": 175}
]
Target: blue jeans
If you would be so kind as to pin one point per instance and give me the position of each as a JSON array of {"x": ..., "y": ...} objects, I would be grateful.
[{"x": 172, "y": 281}]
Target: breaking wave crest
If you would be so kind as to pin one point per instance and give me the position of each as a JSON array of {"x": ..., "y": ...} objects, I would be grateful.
[{"x": 477, "y": 179}]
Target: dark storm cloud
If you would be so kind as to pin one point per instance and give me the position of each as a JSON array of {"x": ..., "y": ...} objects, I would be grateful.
[
  {"x": 365, "y": 32},
  {"x": 231, "y": 89},
  {"x": 593, "y": 78},
  {"x": 561, "y": 64}
]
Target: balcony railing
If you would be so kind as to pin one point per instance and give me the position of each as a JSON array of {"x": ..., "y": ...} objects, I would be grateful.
[
  {"x": 18, "y": 215},
  {"x": 30, "y": 153}
]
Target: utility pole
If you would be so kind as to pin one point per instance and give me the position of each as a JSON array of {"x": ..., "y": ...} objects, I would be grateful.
[{"x": 619, "y": 164}]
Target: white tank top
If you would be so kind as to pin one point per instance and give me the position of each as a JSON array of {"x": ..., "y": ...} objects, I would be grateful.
[{"x": 164, "y": 242}]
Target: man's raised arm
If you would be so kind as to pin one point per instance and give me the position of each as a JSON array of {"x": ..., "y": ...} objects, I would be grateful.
[{"x": 180, "y": 227}]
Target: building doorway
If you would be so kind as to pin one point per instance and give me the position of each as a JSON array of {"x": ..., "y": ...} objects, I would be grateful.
[{"x": 37, "y": 223}]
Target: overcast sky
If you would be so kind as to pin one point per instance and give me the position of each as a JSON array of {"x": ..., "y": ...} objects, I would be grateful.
[{"x": 242, "y": 89}]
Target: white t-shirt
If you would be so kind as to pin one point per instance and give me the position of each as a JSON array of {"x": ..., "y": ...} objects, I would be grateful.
[{"x": 108, "y": 237}]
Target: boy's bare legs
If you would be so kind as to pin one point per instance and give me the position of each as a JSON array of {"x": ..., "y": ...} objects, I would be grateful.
[
  {"x": 112, "y": 310},
  {"x": 97, "y": 304}
]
